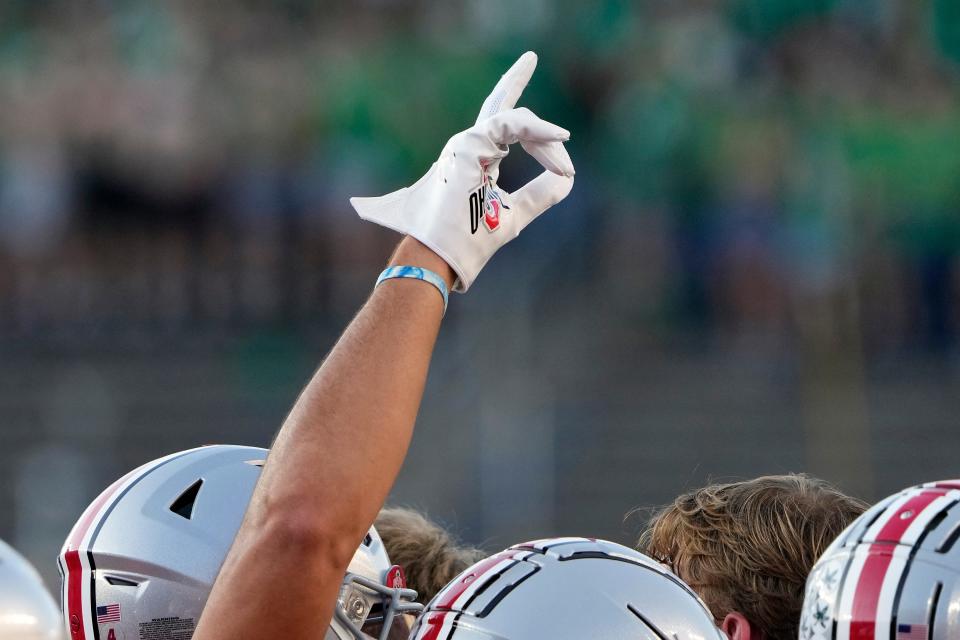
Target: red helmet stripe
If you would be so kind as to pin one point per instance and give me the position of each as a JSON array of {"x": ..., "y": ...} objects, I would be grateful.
[
  {"x": 905, "y": 516},
  {"x": 876, "y": 568},
  {"x": 947, "y": 484},
  {"x": 470, "y": 577},
  {"x": 74, "y": 605},
  {"x": 432, "y": 624},
  {"x": 863, "y": 621}
]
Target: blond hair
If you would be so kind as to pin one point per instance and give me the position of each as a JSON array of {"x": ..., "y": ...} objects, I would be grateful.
[
  {"x": 748, "y": 546},
  {"x": 430, "y": 556}
]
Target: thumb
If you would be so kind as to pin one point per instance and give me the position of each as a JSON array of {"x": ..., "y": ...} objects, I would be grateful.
[
  {"x": 386, "y": 211},
  {"x": 538, "y": 195}
]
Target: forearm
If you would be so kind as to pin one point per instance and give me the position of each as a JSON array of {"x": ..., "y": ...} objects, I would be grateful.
[
  {"x": 332, "y": 464},
  {"x": 356, "y": 415}
]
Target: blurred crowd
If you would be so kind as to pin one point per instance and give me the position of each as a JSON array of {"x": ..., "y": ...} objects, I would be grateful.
[
  {"x": 758, "y": 269},
  {"x": 766, "y": 173}
]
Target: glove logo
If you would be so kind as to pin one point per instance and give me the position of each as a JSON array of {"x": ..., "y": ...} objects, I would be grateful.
[{"x": 486, "y": 204}]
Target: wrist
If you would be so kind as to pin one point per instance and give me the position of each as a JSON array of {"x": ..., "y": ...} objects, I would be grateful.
[{"x": 413, "y": 253}]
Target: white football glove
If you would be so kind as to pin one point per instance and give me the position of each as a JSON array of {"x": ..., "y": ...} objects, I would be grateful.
[{"x": 457, "y": 209}]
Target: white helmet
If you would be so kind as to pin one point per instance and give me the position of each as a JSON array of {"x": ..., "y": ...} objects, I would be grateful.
[
  {"x": 893, "y": 574},
  {"x": 566, "y": 589},
  {"x": 27, "y": 612},
  {"x": 142, "y": 559}
]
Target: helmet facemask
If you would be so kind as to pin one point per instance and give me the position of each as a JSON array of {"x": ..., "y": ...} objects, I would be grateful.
[{"x": 368, "y": 609}]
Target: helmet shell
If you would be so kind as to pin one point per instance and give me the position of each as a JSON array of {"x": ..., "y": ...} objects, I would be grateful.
[
  {"x": 141, "y": 560},
  {"x": 566, "y": 588},
  {"x": 893, "y": 574},
  {"x": 27, "y": 612}
]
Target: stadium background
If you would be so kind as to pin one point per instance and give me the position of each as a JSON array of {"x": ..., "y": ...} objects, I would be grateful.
[{"x": 757, "y": 271}]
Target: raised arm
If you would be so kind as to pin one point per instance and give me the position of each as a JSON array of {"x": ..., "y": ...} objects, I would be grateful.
[
  {"x": 341, "y": 447},
  {"x": 331, "y": 466}
]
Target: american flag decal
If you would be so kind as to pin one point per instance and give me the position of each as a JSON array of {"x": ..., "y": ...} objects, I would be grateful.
[
  {"x": 911, "y": 632},
  {"x": 111, "y": 613}
]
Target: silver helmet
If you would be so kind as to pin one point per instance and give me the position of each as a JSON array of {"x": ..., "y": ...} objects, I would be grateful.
[
  {"x": 142, "y": 559},
  {"x": 27, "y": 612},
  {"x": 893, "y": 574},
  {"x": 566, "y": 589}
]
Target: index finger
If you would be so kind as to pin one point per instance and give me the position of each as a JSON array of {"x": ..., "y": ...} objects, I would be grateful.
[
  {"x": 505, "y": 95},
  {"x": 515, "y": 125}
]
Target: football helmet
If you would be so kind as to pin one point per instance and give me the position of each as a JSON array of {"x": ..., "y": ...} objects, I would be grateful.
[
  {"x": 141, "y": 560},
  {"x": 27, "y": 612},
  {"x": 893, "y": 574},
  {"x": 566, "y": 589}
]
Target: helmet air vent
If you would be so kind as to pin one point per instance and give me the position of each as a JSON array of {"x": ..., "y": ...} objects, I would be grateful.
[
  {"x": 183, "y": 506},
  {"x": 653, "y": 628},
  {"x": 120, "y": 582},
  {"x": 932, "y": 609},
  {"x": 949, "y": 540}
]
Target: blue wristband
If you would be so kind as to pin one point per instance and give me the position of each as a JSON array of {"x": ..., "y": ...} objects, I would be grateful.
[{"x": 417, "y": 273}]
